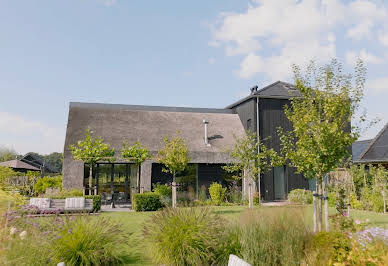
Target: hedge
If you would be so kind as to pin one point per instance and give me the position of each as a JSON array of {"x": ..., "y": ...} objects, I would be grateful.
[{"x": 148, "y": 201}]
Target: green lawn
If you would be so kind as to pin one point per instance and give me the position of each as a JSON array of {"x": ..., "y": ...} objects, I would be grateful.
[{"x": 132, "y": 221}]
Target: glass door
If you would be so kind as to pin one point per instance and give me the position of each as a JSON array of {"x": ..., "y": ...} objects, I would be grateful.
[{"x": 279, "y": 184}]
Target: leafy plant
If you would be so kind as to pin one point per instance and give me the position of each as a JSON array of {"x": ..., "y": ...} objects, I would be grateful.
[
  {"x": 48, "y": 182},
  {"x": 184, "y": 236},
  {"x": 91, "y": 150},
  {"x": 300, "y": 196},
  {"x": 148, "y": 201},
  {"x": 164, "y": 191},
  {"x": 321, "y": 120},
  {"x": 202, "y": 194},
  {"x": 85, "y": 241},
  {"x": 249, "y": 160},
  {"x": 217, "y": 193},
  {"x": 273, "y": 237},
  {"x": 174, "y": 156}
]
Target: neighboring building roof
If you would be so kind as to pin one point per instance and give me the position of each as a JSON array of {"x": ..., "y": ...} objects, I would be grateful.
[
  {"x": 149, "y": 124},
  {"x": 358, "y": 148},
  {"x": 17, "y": 164},
  {"x": 278, "y": 90},
  {"x": 377, "y": 151},
  {"x": 38, "y": 162}
]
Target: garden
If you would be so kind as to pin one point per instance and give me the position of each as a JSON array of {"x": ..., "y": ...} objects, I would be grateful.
[{"x": 343, "y": 222}]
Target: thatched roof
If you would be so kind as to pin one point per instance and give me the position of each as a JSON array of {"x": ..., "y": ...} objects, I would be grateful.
[
  {"x": 149, "y": 124},
  {"x": 19, "y": 165}
]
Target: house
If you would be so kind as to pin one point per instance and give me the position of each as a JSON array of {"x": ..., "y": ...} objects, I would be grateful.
[
  {"x": 374, "y": 151},
  {"x": 208, "y": 134},
  {"x": 30, "y": 162},
  {"x": 19, "y": 166}
]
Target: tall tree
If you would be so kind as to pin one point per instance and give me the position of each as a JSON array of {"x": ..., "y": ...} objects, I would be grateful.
[
  {"x": 7, "y": 154},
  {"x": 136, "y": 153},
  {"x": 321, "y": 119},
  {"x": 249, "y": 161},
  {"x": 91, "y": 150},
  {"x": 174, "y": 156}
]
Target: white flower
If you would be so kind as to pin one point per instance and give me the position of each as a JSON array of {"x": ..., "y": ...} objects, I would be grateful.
[
  {"x": 12, "y": 231},
  {"x": 23, "y": 235}
]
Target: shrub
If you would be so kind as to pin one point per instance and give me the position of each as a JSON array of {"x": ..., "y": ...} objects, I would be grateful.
[
  {"x": 273, "y": 237},
  {"x": 148, "y": 201},
  {"x": 256, "y": 198},
  {"x": 354, "y": 202},
  {"x": 327, "y": 248},
  {"x": 183, "y": 236},
  {"x": 371, "y": 200},
  {"x": 300, "y": 196},
  {"x": 234, "y": 193},
  {"x": 332, "y": 199},
  {"x": 217, "y": 193},
  {"x": 86, "y": 241},
  {"x": 96, "y": 202},
  {"x": 47, "y": 182},
  {"x": 63, "y": 194},
  {"x": 164, "y": 191}
]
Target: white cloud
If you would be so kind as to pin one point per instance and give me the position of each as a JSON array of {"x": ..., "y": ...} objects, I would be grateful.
[
  {"x": 368, "y": 58},
  {"x": 378, "y": 86},
  {"x": 26, "y": 135},
  {"x": 294, "y": 31}
]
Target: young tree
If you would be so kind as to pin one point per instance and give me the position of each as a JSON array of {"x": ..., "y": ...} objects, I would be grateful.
[
  {"x": 248, "y": 160},
  {"x": 90, "y": 151},
  {"x": 174, "y": 156},
  {"x": 380, "y": 175},
  {"x": 137, "y": 153},
  {"x": 321, "y": 118}
]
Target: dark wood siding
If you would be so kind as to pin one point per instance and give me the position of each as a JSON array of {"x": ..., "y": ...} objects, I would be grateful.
[
  {"x": 247, "y": 111},
  {"x": 271, "y": 116}
]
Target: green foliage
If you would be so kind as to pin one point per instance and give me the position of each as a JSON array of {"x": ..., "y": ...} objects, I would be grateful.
[
  {"x": 340, "y": 202},
  {"x": 7, "y": 154},
  {"x": 164, "y": 191},
  {"x": 321, "y": 118},
  {"x": 375, "y": 253},
  {"x": 91, "y": 150},
  {"x": 48, "y": 182},
  {"x": 256, "y": 198},
  {"x": 328, "y": 248},
  {"x": 63, "y": 194},
  {"x": 342, "y": 223},
  {"x": 174, "y": 155},
  {"x": 184, "y": 236},
  {"x": 217, "y": 193},
  {"x": 332, "y": 199},
  {"x": 55, "y": 159},
  {"x": 86, "y": 241},
  {"x": 96, "y": 202},
  {"x": 273, "y": 238},
  {"x": 247, "y": 158},
  {"x": 6, "y": 173},
  {"x": 354, "y": 202},
  {"x": 137, "y": 153},
  {"x": 148, "y": 201},
  {"x": 300, "y": 196}
]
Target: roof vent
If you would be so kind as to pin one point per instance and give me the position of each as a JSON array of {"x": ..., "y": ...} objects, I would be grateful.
[
  {"x": 205, "y": 123},
  {"x": 254, "y": 89}
]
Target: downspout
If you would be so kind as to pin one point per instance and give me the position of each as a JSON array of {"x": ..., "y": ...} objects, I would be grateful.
[{"x": 258, "y": 139}]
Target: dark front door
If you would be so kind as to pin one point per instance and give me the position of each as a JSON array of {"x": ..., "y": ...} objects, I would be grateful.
[{"x": 279, "y": 184}]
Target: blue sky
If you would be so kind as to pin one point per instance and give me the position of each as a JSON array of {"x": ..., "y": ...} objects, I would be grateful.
[{"x": 178, "y": 53}]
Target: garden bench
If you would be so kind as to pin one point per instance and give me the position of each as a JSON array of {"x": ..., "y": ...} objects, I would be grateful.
[{"x": 63, "y": 205}]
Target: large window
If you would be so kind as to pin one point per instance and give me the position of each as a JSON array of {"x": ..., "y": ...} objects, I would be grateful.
[{"x": 110, "y": 179}]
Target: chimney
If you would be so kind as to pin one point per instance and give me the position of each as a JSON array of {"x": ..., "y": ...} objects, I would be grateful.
[{"x": 205, "y": 123}]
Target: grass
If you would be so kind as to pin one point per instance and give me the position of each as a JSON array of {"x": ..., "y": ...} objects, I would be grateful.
[{"x": 133, "y": 221}]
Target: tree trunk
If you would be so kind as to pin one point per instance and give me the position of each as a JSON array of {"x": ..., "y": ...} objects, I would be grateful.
[
  {"x": 319, "y": 208},
  {"x": 138, "y": 188},
  {"x": 90, "y": 178},
  {"x": 327, "y": 225},
  {"x": 250, "y": 197},
  {"x": 173, "y": 192},
  {"x": 315, "y": 210}
]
